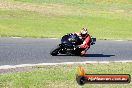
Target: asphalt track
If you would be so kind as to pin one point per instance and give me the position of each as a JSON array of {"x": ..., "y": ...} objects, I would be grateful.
[{"x": 16, "y": 51}]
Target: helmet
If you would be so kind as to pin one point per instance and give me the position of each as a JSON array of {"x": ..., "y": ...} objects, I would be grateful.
[{"x": 83, "y": 32}]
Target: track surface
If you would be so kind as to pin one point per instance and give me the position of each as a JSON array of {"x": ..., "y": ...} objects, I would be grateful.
[{"x": 15, "y": 51}]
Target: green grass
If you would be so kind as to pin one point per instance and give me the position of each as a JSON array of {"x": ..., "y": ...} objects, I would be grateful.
[
  {"x": 106, "y": 19},
  {"x": 63, "y": 76}
]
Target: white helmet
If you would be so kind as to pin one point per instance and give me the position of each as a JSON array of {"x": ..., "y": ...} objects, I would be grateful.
[{"x": 84, "y": 32}]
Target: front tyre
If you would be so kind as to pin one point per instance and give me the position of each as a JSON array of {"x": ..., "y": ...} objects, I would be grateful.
[{"x": 55, "y": 51}]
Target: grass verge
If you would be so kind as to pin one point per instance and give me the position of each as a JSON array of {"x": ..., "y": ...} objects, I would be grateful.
[
  {"x": 108, "y": 19},
  {"x": 59, "y": 76}
]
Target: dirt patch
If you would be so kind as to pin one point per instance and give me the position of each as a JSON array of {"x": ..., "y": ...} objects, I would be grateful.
[{"x": 44, "y": 8}]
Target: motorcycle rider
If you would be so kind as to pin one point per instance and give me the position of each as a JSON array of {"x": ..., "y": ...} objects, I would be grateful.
[{"x": 86, "y": 39}]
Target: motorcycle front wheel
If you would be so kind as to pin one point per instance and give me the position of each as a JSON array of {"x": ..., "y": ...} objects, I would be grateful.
[{"x": 55, "y": 51}]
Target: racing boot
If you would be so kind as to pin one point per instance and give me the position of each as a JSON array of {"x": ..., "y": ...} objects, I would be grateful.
[{"x": 83, "y": 53}]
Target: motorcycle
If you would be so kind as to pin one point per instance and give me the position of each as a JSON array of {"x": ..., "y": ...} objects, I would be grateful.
[{"x": 69, "y": 45}]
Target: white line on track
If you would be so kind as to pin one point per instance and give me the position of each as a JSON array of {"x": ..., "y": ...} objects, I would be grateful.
[
  {"x": 16, "y": 37},
  {"x": 124, "y": 61},
  {"x": 120, "y": 40},
  {"x": 66, "y": 63}
]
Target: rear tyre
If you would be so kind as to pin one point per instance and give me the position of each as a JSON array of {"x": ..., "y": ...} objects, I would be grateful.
[
  {"x": 55, "y": 51},
  {"x": 77, "y": 52}
]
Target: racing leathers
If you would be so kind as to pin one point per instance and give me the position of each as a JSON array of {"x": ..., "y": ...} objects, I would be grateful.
[{"x": 85, "y": 45}]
